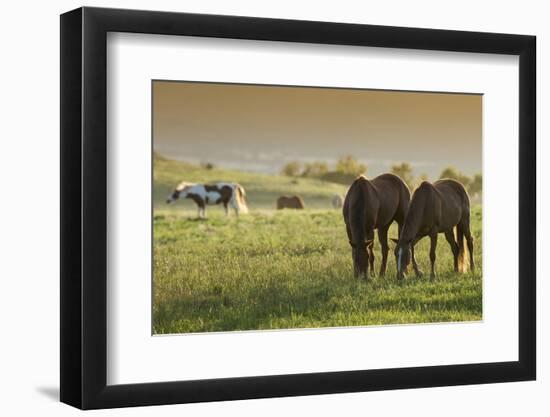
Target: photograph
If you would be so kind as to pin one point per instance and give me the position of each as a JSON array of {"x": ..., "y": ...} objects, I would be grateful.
[
  {"x": 280, "y": 205},
  {"x": 302, "y": 207}
]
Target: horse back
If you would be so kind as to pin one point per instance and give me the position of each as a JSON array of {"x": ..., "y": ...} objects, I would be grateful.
[
  {"x": 394, "y": 197},
  {"x": 454, "y": 200},
  {"x": 361, "y": 203}
]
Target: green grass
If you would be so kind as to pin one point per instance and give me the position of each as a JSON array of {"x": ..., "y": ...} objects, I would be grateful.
[
  {"x": 262, "y": 190},
  {"x": 286, "y": 269}
]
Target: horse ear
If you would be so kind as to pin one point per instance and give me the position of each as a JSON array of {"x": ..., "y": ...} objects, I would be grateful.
[
  {"x": 396, "y": 241},
  {"x": 369, "y": 243}
]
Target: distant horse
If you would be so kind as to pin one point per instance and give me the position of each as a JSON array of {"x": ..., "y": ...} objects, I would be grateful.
[
  {"x": 337, "y": 201},
  {"x": 231, "y": 194},
  {"x": 437, "y": 208},
  {"x": 370, "y": 205},
  {"x": 294, "y": 202}
]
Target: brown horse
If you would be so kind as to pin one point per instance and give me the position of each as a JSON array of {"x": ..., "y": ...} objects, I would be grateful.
[
  {"x": 437, "y": 208},
  {"x": 370, "y": 205},
  {"x": 294, "y": 202}
]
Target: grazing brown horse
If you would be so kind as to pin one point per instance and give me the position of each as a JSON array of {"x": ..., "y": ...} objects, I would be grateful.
[
  {"x": 370, "y": 205},
  {"x": 437, "y": 208},
  {"x": 294, "y": 202}
]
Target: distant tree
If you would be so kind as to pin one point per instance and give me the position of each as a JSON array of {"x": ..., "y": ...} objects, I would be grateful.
[
  {"x": 453, "y": 173},
  {"x": 291, "y": 169},
  {"x": 339, "y": 178},
  {"x": 349, "y": 165},
  {"x": 207, "y": 165},
  {"x": 476, "y": 185},
  {"x": 315, "y": 169},
  {"x": 158, "y": 156},
  {"x": 449, "y": 172},
  {"x": 423, "y": 177},
  {"x": 405, "y": 172},
  {"x": 418, "y": 181}
]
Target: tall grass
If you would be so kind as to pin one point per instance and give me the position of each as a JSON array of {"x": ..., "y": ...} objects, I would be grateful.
[{"x": 287, "y": 269}]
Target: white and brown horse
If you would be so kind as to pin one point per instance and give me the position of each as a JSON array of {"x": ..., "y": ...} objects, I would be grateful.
[{"x": 229, "y": 194}]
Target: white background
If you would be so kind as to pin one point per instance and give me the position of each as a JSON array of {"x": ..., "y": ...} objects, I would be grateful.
[
  {"x": 134, "y": 356},
  {"x": 29, "y": 170}
]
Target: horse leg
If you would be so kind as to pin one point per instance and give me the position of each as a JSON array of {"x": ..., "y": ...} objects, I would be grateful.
[
  {"x": 454, "y": 247},
  {"x": 235, "y": 206},
  {"x": 433, "y": 246},
  {"x": 225, "y": 208},
  {"x": 370, "y": 236},
  {"x": 417, "y": 270},
  {"x": 469, "y": 240},
  {"x": 383, "y": 238}
]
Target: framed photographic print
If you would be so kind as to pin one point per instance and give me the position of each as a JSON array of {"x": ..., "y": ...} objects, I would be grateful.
[{"x": 257, "y": 207}]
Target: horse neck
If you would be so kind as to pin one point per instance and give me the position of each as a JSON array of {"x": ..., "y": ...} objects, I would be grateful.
[
  {"x": 183, "y": 194},
  {"x": 413, "y": 220}
]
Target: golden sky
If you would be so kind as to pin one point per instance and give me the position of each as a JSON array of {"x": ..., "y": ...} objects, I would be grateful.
[{"x": 260, "y": 128}]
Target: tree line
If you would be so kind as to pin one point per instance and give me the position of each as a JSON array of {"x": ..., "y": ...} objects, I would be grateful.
[{"x": 347, "y": 168}]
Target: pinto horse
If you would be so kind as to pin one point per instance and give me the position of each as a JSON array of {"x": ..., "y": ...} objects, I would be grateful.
[
  {"x": 370, "y": 205},
  {"x": 231, "y": 194},
  {"x": 437, "y": 208}
]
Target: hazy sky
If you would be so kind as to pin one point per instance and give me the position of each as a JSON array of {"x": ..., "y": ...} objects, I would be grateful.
[{"x": 260, "y": 128}]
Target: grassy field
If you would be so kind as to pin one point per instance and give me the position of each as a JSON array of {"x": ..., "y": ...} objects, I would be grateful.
[
  {"x": 285, "y": 269},
  {"x": 262, "y": 190}
]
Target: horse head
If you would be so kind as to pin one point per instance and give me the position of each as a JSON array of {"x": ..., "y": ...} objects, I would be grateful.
[
  {"x": 177, "y": 193},
  {"x": 402, "y": 257},
  {"x": 360, "y": 257}
]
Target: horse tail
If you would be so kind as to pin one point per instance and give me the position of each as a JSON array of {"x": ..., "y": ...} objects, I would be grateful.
[
  {"x": 463, "y": 252},
  {"x": 239, "y": 197}
]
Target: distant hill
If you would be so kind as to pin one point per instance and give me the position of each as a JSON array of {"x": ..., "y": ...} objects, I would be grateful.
[{"x": 261, "y": 189}]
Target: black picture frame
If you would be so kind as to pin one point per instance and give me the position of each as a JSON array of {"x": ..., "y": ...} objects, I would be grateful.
[{"x": 84, "y": 207}]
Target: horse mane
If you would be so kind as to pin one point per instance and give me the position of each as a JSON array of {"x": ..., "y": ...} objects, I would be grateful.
[{"x": 182, "y": 185}]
